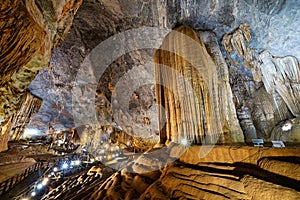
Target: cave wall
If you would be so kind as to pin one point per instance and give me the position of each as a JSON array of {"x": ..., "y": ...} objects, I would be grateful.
[
  {"x": 29, "y": 31},
  {"x": 98, "y": 20},
  {"x": 94, "y": 23}
]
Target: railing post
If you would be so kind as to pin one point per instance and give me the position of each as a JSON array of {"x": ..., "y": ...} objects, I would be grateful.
[
  {"x": 11, "y": 182},
  {"x": 5, "y": 186},
  {"x": 18, "y": 177},
  {"x": 36, "y": 167}
]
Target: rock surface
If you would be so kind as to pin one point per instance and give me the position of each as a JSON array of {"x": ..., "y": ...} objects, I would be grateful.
[
  {"x": 29, "y": 31},
  {"x": 188, "y": 86},
  {"x": 257, "y": 110},
  {"x": 208, "y": 179}
]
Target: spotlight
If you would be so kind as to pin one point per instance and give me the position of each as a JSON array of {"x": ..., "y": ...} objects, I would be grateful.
[
  {"x": 55, "y": 169},
  {"x": 77, "y": 162},
  {"x": 92, "y": 160},
  {"x": 33, "y": 194},
  {"x": 45, "y": 181},
  {"x": 39, "y": 186},
  {"x": 52, "y": 173},
  {"x": 184, "y": 142},
  {"x": 65, "y": 166},
  {"x": 286, "y": 127}
]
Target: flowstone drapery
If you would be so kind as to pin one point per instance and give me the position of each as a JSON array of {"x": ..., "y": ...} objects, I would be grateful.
[{"x": 187, "y": 88}]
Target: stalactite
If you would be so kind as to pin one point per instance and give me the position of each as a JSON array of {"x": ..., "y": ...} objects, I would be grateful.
[
  {"x": 282, "y": 75},
  {"x": 30, "y": 106},
  {"x": 187, "y": 88}
]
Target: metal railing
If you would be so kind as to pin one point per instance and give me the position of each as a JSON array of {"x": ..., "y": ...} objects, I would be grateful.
[{"x": 12, "y": 181}]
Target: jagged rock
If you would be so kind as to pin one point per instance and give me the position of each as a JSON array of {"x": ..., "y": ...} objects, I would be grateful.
[
  {"x": 4, "y": 135},
  {"x": 267, "y": 112},
  {"x": 279, "y": 77},
  {"x": 35, "y": 34}
]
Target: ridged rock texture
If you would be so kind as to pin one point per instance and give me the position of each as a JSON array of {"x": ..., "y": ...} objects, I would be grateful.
[
  {"x": 252, "y": 173},
  {"x": 188, "y": 85},
  {"x": 30, "y": 106},
  {"x": 29, "y": 31},
  {"x": 4, "y": 137},
  {"x": 94, "y": 23}
]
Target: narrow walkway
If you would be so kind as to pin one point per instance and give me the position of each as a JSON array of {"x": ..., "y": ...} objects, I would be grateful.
[
  {"x": 9, "y": 170},
  {"x": 23, "y": 185}
]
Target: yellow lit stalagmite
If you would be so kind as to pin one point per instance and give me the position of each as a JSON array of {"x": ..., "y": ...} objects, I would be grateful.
[{"x": 187, "y": 88}]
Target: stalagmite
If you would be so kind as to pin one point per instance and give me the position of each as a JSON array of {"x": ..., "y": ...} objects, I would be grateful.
[{"x": 187, "y": 87}]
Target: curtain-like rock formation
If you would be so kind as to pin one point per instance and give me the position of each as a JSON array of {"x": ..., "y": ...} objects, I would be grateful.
[
  {"x": 21, "y": 37},
  {"x": 187, "y": 87},
  {"x": 30, "y": 106}
]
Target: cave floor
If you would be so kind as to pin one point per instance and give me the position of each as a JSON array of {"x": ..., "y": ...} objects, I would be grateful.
[{"x": 239, "y": 158}]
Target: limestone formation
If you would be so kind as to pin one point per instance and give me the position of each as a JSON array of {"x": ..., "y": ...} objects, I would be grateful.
[
  {"x": 187, "y": 87},
  {"x": 287, "y": 131},
  {"x": 277, "y": 101},
  {"x": 282, "y": 76},
  {"x": 29, "y": 106},
  {"x": 4, "y": 137},
  {"x": 240, "y": 174},
  {"x": 238, "y": 41},
  {"x": 29, "y": 32}
]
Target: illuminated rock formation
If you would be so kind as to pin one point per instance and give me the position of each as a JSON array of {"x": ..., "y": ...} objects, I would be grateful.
[
  {"x": 30, "y": 106},
  {"x": 187, "y": 88},
  {"x": 27, "y": 45},
  {"x": 259, "y": 108},
  {"x": 281, "y": 75},
  {"x": 225, "y": 173},
  {"x": 29, "y": 31},
  {"x": 4, "y": 135}
]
